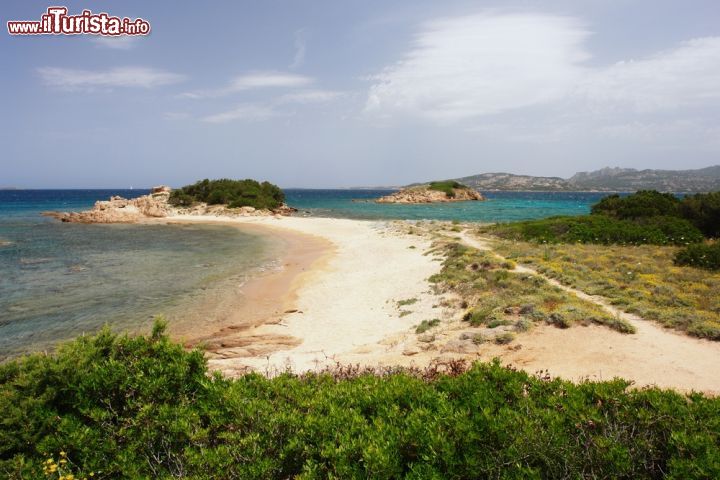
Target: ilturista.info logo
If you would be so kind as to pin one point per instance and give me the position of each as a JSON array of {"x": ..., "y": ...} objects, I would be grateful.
[{"x": 56, "y": 21}]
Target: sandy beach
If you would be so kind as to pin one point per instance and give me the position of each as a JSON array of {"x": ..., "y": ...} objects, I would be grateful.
[
  {"x": 339, "y": 299},
  {"x": 336, "y": 303}
]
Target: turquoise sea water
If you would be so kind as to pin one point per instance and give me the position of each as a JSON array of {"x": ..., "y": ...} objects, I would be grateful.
[
  {"x": 60, "y": 280},
  {"x": 499, "y": 206}
]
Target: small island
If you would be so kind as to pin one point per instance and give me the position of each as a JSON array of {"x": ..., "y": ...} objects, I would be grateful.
[
  {"x": 223, "y": 197},
  {"x": 434, "y": 192}
]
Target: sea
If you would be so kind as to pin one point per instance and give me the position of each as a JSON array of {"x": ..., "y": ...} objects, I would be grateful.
[{"x": 61, "y": 280}]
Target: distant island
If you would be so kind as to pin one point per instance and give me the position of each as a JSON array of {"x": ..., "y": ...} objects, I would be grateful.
[
  {"x": 603, "y": 180},
  {"x": 433, "y": 192}
]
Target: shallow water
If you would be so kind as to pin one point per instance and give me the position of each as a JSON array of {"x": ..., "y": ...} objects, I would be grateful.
[{"x": 61, "y": 280}]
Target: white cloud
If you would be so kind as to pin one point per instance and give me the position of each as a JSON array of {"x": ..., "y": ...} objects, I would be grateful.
[
  {"x": 482, "y": 64},
  {"x": 124, "y": 42},
  {"x": 138, "y": 77},
  {"x": 299, "y": 57},
  {"x": 253, "y": 81},
  {"x": 245, "y": 112},
  {"x": 685, "y": 76},
  {"x": 310, "y": 96},
  {"x": 488, "y": 64}
]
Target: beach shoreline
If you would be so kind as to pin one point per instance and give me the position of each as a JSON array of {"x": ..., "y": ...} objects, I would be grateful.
[{"x": 334, "y": 298}]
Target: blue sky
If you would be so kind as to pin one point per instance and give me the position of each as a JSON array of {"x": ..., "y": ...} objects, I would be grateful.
[{"x": 351, "y": 93}]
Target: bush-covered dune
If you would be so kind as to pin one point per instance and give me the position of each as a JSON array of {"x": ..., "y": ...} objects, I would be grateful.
[{"x": 119, "y": 407}]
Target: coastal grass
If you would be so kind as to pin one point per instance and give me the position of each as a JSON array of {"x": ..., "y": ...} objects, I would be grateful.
[
  {"x": 111, "y": 406},
  {"x": 644, "y": 279},
  {"x": 407, "y": 301},
  {"x": 496, "y": 295}
]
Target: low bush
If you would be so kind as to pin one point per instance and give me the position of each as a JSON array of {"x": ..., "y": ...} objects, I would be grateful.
[
  {"x": 701, "y": 255},
  {"x": 122, "y": 407},
  {"x": 600, "y": 229},
  {"x": 703, "y": 210},
  {"x": 642, "y": 204},
  {"x": 426, "y": 325}
]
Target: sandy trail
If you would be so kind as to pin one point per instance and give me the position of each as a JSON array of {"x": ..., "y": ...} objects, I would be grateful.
[{"x": 652, "y": 356}]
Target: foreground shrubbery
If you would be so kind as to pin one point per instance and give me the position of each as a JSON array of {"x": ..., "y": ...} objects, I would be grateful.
[
  {"x": 144, "y": 408},
  {"x": 233, "y": 193},
  {"x": 702, "y": 256},
  {"x": 645, "y": 217}
]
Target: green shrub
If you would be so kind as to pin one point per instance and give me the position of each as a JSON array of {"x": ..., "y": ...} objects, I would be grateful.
[
  {"x": 504, "y": 338},
  {"x": 233, "y": 193},
  {"x": 426, "y": 325},
  {"x": 702, "y": 255},
  {"x": 703, "y": 210},
  {"x": 601, "y": 229},
  {"x": 644, "y": 203},
  {"x": 447, "y": 186},
  {"x": 145, "y": 408}
]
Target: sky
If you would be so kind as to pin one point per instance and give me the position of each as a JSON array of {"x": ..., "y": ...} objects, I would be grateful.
[{"x": 323, "y": 93}]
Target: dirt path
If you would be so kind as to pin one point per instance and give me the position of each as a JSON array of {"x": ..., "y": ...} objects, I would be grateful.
[{"x": 652, "y": 356}]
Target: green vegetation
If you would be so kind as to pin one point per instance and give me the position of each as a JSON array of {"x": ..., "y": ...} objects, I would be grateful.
[
  {"x": 703, "y": 210},
  {"x": 600, "y": 229},
  {"x": 122, "y": 407},
  {"x": 505, "y": 338},
  {"x": 642, "y": 204},
  {"x": 426, "y": 325},
  {"x": 498, "y": 296},
  {"x": 643, "y": 280},
  {"x": 233, "y": 193},
  {"x": 407, "y": 301},
  {"x": 701, "y": 255},
  {"x": 447, "y": 186},
  {"x": 645, "y": 217}
]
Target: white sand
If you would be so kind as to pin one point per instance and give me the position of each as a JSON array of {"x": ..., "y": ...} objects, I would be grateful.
[{"x": 348, "y": 301}]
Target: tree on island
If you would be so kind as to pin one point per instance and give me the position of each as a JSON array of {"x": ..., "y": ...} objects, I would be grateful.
[{"x": 233, "y": 193}]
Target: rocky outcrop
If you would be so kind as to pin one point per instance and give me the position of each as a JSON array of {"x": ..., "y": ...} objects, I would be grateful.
[
  {"x": 424, "y": 194},
  {"x": 155, "y": 205},
  {"x": 201, "y": 209},
  {"x": 121, "y": 210}
]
